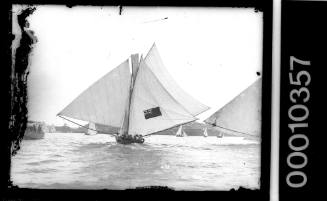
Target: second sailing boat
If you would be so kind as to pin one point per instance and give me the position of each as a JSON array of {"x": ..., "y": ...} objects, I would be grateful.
[
  {"x": 180, "y": 132},
  {"x": 91, "y": 130}
]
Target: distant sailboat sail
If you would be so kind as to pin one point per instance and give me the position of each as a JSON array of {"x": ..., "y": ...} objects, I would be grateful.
[
  {"x": 184, "y": 133},
  {"x": 91, "y": 130},
  {"x": 34, "y": 130},
  {"x": 142, "y": 102},
  {"x": 180, "y": 132},
  {"x": 205, "y": 132},
  {"x": 242, "y": 115}
]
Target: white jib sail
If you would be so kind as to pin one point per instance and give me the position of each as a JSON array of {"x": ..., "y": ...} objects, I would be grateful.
[
  {"x": 179, "y": 131},
  {"x": 105, "y": 101},
  {"x": 92, "y": 129},
  {"x": 154, "y": 62},
  {"x": 153, "y": 108}
]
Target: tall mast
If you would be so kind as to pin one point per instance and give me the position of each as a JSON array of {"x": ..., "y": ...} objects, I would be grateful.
[{"x": 135, "y": 66}]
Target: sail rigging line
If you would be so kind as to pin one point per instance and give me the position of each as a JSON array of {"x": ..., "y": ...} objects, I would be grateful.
[
  {"x": 99, "y": 131},
  {"x": 232, "y": 130}
]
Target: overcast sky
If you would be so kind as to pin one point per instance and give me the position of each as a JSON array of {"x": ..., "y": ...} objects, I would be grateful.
[{"x": 212, "y": 53}]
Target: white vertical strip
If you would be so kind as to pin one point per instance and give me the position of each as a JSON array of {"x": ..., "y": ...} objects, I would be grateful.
[{"x": 276, "y": 65}]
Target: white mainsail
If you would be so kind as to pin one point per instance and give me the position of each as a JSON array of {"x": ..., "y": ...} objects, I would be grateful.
[
  {"x": 92, "y": 129},
  {"x": 143, "y": 102},
  {"x": 105, "y": 101}
]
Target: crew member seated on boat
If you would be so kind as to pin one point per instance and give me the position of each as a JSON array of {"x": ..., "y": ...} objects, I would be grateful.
[
  {"x": 129, "y": 137},
  {"x": 139, "y": 138}
]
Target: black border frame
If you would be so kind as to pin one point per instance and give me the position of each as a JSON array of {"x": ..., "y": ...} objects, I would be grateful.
[{"x": 161, "y": 194}]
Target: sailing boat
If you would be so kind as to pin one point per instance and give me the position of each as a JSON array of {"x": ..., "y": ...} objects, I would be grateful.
[
  {"x": 140, "y": 103},
  {"x": 180, "y": 132},
  {"x": 205, "y": 132},
  {"x": 92, "y": 129},
  {"x": 34, "y": 130},
  {"x": 230, "y": 118}
]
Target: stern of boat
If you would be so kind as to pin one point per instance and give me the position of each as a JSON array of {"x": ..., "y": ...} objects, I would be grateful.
[{"x": 128, "y": 139}]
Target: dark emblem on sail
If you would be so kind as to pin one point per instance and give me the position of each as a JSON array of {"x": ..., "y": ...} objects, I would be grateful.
[{"x": 152, "y": 112}]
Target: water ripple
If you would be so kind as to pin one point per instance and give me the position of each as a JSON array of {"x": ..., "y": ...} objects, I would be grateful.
[{"x": 191, "y": 163}]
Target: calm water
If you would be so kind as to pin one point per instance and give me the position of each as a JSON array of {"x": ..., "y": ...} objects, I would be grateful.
[{"x": 67, "y": 160}]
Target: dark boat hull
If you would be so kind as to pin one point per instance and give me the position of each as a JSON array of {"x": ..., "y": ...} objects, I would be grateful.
[
  {"x": 129, "y": 140},
  {"x": 30, "y": 135}
]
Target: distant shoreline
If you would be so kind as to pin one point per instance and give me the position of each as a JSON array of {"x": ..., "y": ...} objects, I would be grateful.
[{"x": 191, "y": 129}]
